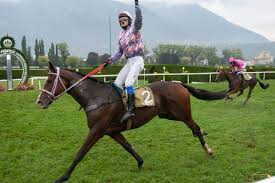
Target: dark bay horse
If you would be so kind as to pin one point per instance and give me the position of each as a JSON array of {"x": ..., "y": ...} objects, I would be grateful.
[
  {"x": 235, "y": 84},
  {"x": 104, "y": 108}
]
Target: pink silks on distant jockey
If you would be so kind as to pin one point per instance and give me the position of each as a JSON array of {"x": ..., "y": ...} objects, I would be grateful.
[{"x": 240, "y": 64}]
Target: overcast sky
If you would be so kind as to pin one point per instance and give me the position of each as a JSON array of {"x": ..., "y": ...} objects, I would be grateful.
[{"x": 255, "y": 15}]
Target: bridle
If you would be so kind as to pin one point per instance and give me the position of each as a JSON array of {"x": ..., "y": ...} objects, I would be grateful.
[
  {"x": 55, "y": 84},
  {"x": 51, "y": 93}
]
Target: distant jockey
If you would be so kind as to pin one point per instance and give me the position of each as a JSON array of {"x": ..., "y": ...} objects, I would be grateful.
[{"x": 238, "y": 66}]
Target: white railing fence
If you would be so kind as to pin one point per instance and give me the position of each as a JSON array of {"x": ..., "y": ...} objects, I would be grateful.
[{"x": 144, "y": 76}]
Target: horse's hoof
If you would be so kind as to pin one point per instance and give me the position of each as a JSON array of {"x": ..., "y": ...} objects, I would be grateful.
[
  {"x": 203, "y": 132},
  {"x": 140, "y": 165},
  {"x": 210, "y": 152}
]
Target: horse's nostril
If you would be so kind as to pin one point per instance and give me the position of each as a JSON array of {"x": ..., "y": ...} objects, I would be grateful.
[{"x": 38, "y": 102}]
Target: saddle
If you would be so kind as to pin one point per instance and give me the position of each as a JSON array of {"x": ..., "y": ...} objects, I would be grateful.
[
  {"x": 143, "y": 97},
  {"x": 247, "y": 77}
]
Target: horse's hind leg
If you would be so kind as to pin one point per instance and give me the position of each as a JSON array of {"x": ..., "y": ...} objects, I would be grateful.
[
  {"x": 119, "y": 138},
  {"x": 182, "y": 112},
  {"x": 93, "y": 136},
  {"x": 198, "y": 133},
  {"x": 249, "y": 94}
]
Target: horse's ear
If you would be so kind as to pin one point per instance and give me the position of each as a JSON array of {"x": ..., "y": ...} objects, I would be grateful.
[{"x": 51, "y": 67}]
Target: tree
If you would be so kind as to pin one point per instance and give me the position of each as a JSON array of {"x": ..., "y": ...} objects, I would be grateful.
[
  {"x": 185, "y": 54},
  {"x": 29, "y": 55},
  {"x": 147, "y": 57},
  {"x": 185, "y": 60},
  {"x": 103, "y": 57},
  {"x": 227, "y": 53},
  {"x": 56, "y": 57},
  {"x": 36, "y": 50},
  {"x": 24, "y": 46},
  {"x": 41, "y": 48},
  {"x": 63, "y": 50},
  {"x": 211, "y": 55},
  {"x": 36, "y": 53},
  {"x": 193, "y": 52},
  {"x": 73, "y": 61},
  {"x": 43, "y": 61},
  {"x": 146, "y": 51},
  {"x": 168, "y": 54},
  {"x": 92, "y": 59},
  {"x": 51, "y": 54}
]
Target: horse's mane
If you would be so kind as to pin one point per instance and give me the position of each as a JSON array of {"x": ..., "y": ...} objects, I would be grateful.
[{"x": 81, "y": 74}]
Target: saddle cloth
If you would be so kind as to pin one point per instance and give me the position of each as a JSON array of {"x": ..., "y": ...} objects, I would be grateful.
[
  {"x": 247, "y": 77},
  {"x": 143, "y": 97}
]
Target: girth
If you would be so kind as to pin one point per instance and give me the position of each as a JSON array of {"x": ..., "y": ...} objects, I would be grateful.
[{"x": 109, "y": 97}]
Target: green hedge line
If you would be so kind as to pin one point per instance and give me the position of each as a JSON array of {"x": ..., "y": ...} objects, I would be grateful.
[
  {"x": 152, "y": 69},
  {"x": 16, "y": 74}
]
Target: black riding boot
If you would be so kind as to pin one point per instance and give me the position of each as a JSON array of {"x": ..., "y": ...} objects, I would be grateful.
[{"x": 131, "y": 106}]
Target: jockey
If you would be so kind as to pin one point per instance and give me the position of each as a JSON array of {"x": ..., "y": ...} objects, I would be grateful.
[
  {"x": 130, "y": 44},
  {"x": 238, "y": 66}
]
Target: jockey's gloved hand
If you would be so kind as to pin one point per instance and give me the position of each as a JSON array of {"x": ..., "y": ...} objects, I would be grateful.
[
  {"x": 136, "y": 2},
  {"x": 107, "y": 62}
]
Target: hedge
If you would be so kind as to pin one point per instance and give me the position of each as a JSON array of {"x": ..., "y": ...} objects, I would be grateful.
[
  {"x": 16, "y": 74},
  {"x": 151, "y": 69}
]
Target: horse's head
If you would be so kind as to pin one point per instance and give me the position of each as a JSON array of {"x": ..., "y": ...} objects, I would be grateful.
[
  {"x": 53, "y": 87},
  {"x": 221, "y": 76}
]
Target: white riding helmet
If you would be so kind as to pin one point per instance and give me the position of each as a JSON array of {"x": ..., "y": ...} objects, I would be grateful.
[{"x": 125, "y": 14}]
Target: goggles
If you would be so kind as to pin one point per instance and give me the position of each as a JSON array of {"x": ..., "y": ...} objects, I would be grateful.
[{"x": 123, "y": 19}]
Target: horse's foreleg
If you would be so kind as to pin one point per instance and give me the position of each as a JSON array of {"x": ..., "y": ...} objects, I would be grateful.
[
  {"x": 241, "y": 92},
  {"x": 91, "y": 139},
  {"x": 119, "y": 138},
  {"x": 227, "y": 97},
  {"x": 230, "y": 93}
]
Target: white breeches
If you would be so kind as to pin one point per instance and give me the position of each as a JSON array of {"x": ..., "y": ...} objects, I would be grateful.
[{"x": 129, "y": 73}]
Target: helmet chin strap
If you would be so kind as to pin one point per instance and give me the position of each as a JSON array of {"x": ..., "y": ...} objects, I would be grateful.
[{"x": 125, "y": 27}]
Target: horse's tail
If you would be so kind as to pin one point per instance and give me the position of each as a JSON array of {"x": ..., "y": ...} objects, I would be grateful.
[
  {"x": 204, "y": 94},
  {"x": 262, "y": 85}
]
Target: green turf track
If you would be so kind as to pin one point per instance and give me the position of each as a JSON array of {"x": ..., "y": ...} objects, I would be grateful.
[{"x": 37, "y": 145}]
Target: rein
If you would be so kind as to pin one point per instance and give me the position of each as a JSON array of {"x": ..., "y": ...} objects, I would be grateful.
[{"x": 58, "y": 78}]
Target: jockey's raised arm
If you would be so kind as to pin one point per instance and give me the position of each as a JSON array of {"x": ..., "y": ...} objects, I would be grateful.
[{"x": 138, "y": 20}]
